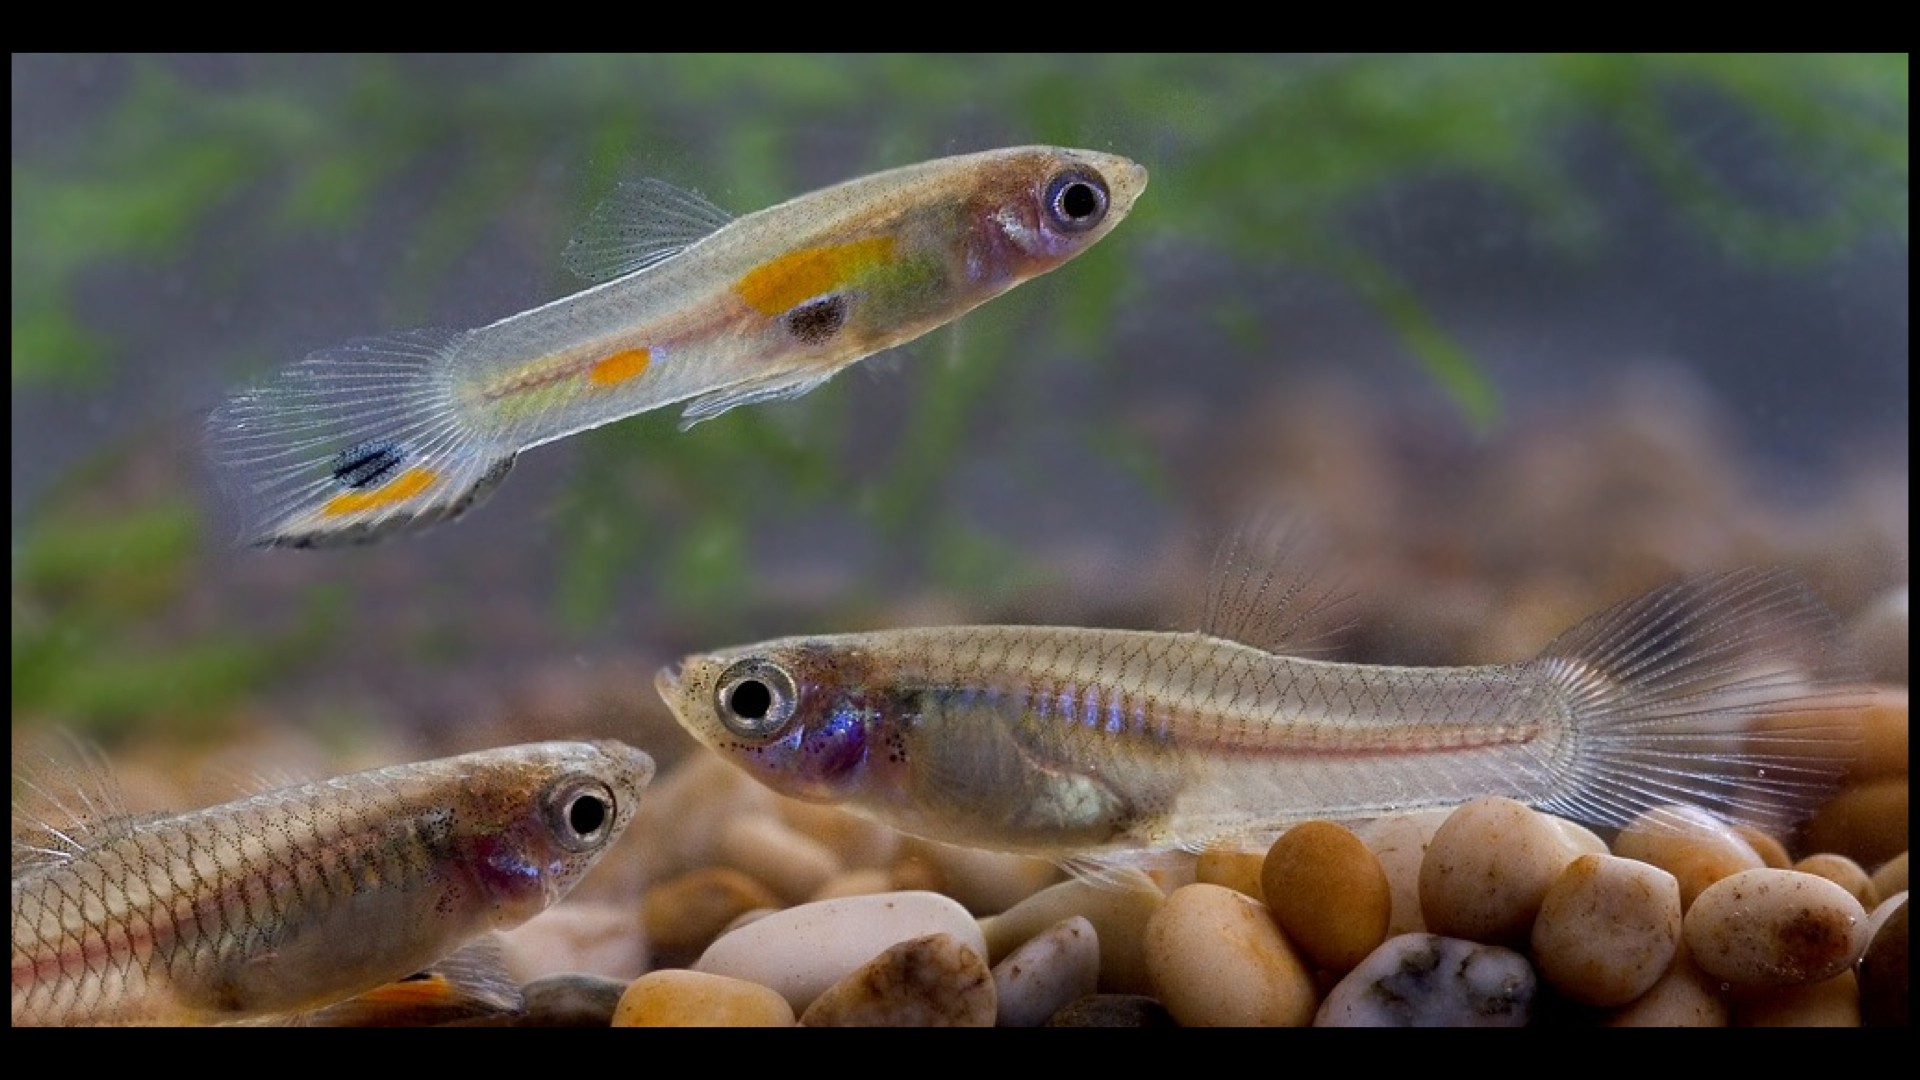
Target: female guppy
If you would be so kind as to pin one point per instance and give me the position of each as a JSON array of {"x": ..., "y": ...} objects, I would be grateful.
[
  {"x": 1100, "y": 746},
  {"x": 397, "y": 433},
  {"x": 293, "y": 900}
]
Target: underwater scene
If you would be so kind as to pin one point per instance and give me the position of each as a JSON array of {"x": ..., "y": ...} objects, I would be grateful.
[{"x": 960, "y": 539}]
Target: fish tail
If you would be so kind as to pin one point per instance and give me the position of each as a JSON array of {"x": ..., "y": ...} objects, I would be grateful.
[
  {"x": 1730, "y": 692},
  {"x": 352, "y": 444}
]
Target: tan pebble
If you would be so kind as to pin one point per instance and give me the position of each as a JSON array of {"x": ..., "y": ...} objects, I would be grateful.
[
  {"x": 802, "y": 950},
  {"x": 1056, "y": 967},
  {"x": 1883, "y": 736},
  {"x": 1237, "y": 870},
  {"x": 792, "y": 865},
  {"x": 676, "y": 997},
  {"x": 1843, "y": 872},
  {"x": 1328, "y": 892},
  {"x": 1764, "y": 844},
  {"x": 1891, "y": 876},
  {"x": 1684, "y": 996},
  {"x": 1400, "y": 842},
  {"x": 684, "y": 914},
  {"x": 1833, "y": 1002},
  {"x": 856, "y": 883},
  {"x": 1771, "y": 927},
  {"x": 859, "y": 843},
  {"x": 1118, "y": 908},
  {"x": 1487, "y": 870},
  {"x": 1216, "y": 958},
  {"x": 1607, "y": 929},
  {"x": 985, "y": 882},
  {"x": 1693, "y": 845},
  {"x": 594, "y": 938},
  {"x": 1580, "y": 840},
  {"x": 932, "y": 981},
  {"x": 1866, "y": 822}
]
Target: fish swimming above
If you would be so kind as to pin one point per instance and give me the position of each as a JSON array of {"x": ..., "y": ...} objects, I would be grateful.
[
  {"x": 1092, "y": 746},
  {"x": 284, "y": 903},
  {"x": 390, "y": 434}
]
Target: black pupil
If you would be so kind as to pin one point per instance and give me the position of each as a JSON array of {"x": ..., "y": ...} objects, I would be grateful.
[
  {"x": 1079, "y": 201},
  {"x": 586, "y": 815},
  {"x": 750, "y": 699}
]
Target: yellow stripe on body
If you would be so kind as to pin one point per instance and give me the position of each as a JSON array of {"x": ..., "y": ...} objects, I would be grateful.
[
  {"x": 400, "y": 489},
  {"x": 777, "y": 286}
]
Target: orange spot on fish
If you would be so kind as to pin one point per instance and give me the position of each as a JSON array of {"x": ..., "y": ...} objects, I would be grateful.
[
  {"x": 619, "y": 367},
  {"x": 399, "y": 489},
  {"x": 774, "y": 287}
]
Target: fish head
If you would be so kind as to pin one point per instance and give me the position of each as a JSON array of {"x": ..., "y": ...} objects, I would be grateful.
[
  {"x": 531, "y": 831},
  {"x": 796, "y": 714},
  {"x": 1033, "y": 208}
]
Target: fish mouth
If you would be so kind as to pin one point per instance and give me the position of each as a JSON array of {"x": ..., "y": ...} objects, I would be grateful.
[{"x": 667, "y": 682}]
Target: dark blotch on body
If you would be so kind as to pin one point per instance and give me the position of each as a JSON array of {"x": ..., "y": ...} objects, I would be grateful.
[
  {"x": 367, "y": 464},
  {"x": 817, "y": 320}
]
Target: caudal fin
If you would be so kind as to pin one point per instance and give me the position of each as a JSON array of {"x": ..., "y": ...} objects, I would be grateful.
[
  {"x": 352, "y": 444},
  {"x": 1730, "y": 692}
]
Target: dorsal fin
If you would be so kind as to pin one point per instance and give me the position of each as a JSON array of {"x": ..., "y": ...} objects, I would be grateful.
[
  {"x": 641, "y": 223},
  {"x": 1267, "y": 588},
  {"x": 65, "y": 798}
]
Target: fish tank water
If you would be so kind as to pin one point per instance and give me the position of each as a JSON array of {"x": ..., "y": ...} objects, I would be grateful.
[{"x": 1515, "y": 337}]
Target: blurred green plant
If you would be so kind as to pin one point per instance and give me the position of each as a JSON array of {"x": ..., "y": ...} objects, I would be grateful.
[
  {"x": 1261, "y": 157},
  {"x": 100, "y": 643}
]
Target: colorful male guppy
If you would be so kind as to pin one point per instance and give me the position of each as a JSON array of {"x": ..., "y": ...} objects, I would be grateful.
[
  {"x": 396, "y": 433},
  {"x": 1103, "y": 746},
  {"x": 281, "y": 904}
]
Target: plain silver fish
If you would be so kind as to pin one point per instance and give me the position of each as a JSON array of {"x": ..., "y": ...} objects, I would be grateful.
[
  {"x": 296, "y": 899},
  {"x": 1099, "y": 745}
]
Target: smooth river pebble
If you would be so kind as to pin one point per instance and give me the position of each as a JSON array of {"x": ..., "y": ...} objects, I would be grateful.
[
  {"x": 1487, "y": 870},
  {"x": 1693, "y": 845},
  {"x": 933, "y": 981},
  {"x": 1059, "y": 965},
  {"x": 676, "y": 997},
  {"x": 1328, "y": 892},
  {"x": 1770, "y": 927},
  {"x": 1217, "y": 959},
  {"x": 1118, "y": 908},
  {"x": 805, "y": 949},
  {"x": 1607, "y": 929},
  {"x": 1425, "y": 980}
]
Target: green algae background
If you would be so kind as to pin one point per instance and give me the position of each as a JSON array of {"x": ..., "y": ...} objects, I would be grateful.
[{"x": 182, "y": 224}]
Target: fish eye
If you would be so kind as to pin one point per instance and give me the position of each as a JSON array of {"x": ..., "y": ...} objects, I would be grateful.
[
  {"x": 755, "y": 698},
  {"x": 581, "y": 812},
  {"x": 1076, "y": 200}
]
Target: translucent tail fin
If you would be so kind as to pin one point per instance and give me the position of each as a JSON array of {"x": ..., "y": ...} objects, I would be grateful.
[
  {"x": 352, "y": 444},
  {"x": 1729, "y": 692}
]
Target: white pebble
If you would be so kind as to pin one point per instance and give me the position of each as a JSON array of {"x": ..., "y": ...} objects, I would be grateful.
[
  {"x": 1118, "y": 907},
  {"x": 1425, "y": 980},
  {"x": 1059, "y": 965},
  {"x": 1770, "y": 927},
  {"x": 803, "y": 950}
]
